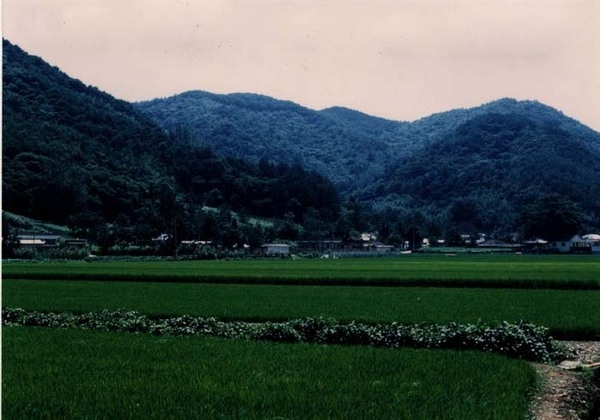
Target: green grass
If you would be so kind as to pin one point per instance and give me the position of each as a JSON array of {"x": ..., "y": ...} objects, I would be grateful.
[
  {"x": 50, "y": 374},
  {"x": 568, "y": 313},
  {"x": 436, "y": 270}
]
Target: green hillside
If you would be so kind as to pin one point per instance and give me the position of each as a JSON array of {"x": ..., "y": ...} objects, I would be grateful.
[
  {"x": 495, "y": 163},
  {"x": 75, "y": 156},
  {"x": 332, "y": 142},
  {"x": 116, "y": 172},
  {"x": 464, "y": 170}
]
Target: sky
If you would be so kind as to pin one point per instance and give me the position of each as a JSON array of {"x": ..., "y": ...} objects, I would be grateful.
[{"x": 397, "y": 59}]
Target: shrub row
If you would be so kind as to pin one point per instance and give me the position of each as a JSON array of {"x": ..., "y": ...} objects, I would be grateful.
[{"x": 520, "y": 340}]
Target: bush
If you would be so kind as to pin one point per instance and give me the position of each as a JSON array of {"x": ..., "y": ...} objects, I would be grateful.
[
  {"x": 521, "y": 340},
  {"x": 310, "y": 328},
  {"x": 349, "y": 334},
  {"x": 184, "y": 325},
  {"x": 277, "y": 332}
]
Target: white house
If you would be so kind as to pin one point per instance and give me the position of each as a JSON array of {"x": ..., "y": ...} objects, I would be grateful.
[
  {"x": 276, "y": 249},
  {"x": 383, "y": 248},
  {"x": 41, "y": 240},
  {"x": 583, "y": 244},
  {"x": 594, "y": 240},
  {"x": 565, "y": 245}
]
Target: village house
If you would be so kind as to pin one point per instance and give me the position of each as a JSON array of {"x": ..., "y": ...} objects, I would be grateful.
[
  {"x": 38, "y": 240},
  {"x": 536, "y": 245},
  {"x": 319, "y": 245},
  {"x": 276, "y": 249},
  {"x": 586, "y": 244},
  {"x": 383, "y": 248},
  {"x": 75, "y": 243},
  {"x": 594, "y": 240},
  {"x": 499, "y": 245}
]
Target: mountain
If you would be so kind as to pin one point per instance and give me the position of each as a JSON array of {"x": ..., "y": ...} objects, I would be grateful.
[
  {"x": 494, "y": 161},
  {"x": 348, "y": 147},
  {"x": 75, "y": 155},
  {"x": 70, "y": 148},
  {"x": 473, "y": 168},
  {"x": 120, "y": 172}
]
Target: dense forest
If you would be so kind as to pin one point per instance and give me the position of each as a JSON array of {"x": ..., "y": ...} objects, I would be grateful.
[
  {"x": 246, "y": 169},
  {"x": 74, "y": 155},
  {"x": 466, "y": 170},
  {"x": 491, "y": 168},
  {"x": 347, "y": 147}
]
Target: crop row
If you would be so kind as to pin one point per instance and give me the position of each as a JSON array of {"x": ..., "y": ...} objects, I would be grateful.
[{"x": 520, "y": 340}]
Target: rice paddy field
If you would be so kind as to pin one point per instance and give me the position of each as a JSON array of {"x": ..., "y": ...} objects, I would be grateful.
[
  {"x": 568, "y": 313},
  {"x": 86, "y": 374},
  {"x": 523, "y": 271},
  {"x": 83, "y": 374}
]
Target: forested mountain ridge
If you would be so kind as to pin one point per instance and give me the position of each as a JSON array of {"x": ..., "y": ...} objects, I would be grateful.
[
  {"x": 346, "y": 146},
  {"x": 494, "y": 164},
  {"x": 473, "y": 169},
  {"x": 75, "y": 155},
  {"x": 69, "y": 146},
  {"x": 351, "y": 148}
]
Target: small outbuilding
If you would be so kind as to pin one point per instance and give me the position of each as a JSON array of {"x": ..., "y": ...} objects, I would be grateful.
[
  {"x": 39, "y": 240},
  {"x": 536, "y": 245},
  {"x": 276, "y": 249},
  {"x": 383, "y": 248}
]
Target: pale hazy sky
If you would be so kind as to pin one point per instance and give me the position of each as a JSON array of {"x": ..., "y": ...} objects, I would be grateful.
[{"x": 398, "y": 59}]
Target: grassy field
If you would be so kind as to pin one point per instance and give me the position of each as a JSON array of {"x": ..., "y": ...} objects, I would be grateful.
[
  {"x": 521, "y": 271},
  {"x": 82, "y": 374},
  {"x": 568, "y": 313}
]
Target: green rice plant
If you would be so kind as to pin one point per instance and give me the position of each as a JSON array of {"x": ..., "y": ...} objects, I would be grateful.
[
  {"x": 508, "y": 271},
  {"x": 568, "y": 313},
  {"x": 50, "y": 374}
]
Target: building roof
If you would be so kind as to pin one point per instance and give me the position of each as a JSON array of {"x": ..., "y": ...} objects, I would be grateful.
[
  {"x": 31, "y": 242},
  {"x": 591, "y": 237},
  {"x": 536, "y": 241},
  {"x": 44, "y": 237}
]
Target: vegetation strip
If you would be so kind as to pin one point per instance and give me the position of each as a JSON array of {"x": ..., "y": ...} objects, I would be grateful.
[{"x": 520, "y": 340}]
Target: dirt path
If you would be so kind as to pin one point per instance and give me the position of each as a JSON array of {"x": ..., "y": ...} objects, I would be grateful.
[{"x": 565, "y": 394}]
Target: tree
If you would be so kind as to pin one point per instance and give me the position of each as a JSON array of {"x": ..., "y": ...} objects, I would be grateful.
[
  {"x": 552, "y": 217},
  {"x": 288, "y": 229},
  {"x": 413, "y": 228},
  {"x": 453, "y": 237},
  {"x": 10, "y": 239}
]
